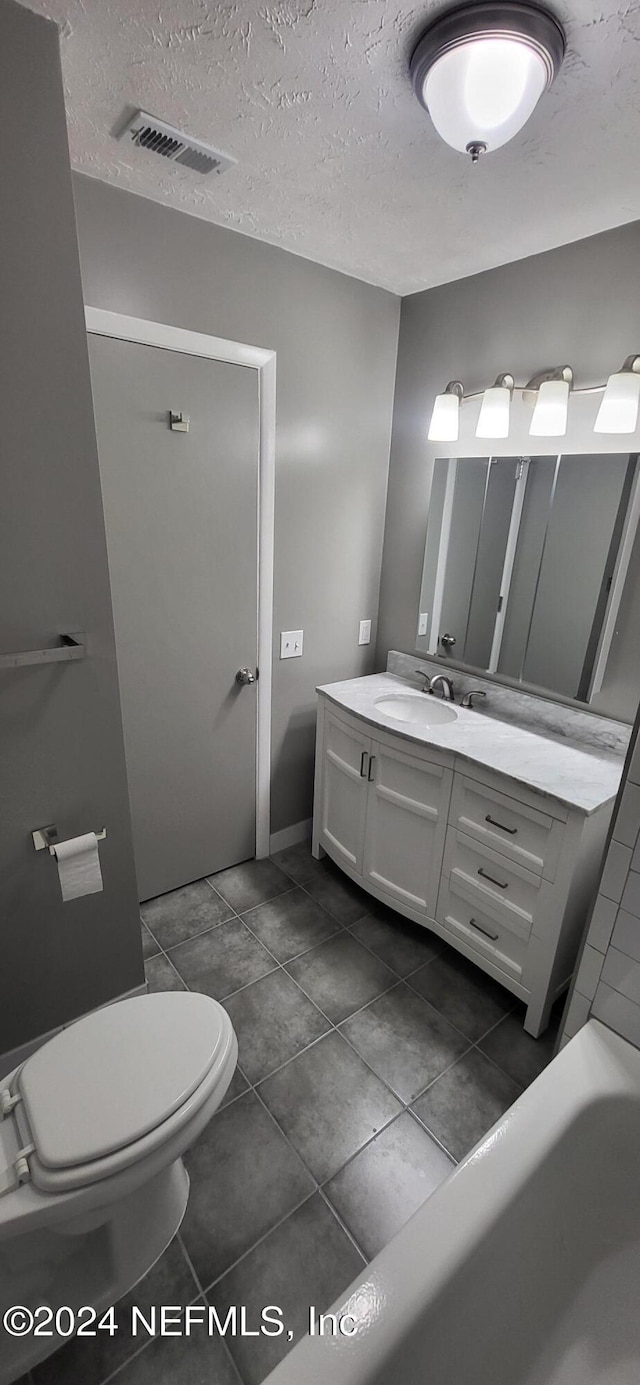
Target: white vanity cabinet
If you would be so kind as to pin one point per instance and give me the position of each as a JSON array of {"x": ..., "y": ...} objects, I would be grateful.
[
  {"x": 381, "y": 813},
  {"x": 503, "y": 873}
]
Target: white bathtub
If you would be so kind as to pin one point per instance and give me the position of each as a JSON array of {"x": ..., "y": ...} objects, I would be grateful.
[{"x": 524, "y": 1267}]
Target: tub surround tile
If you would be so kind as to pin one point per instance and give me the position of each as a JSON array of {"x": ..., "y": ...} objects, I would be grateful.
[
  {"x": 400, "y": 944},
  {"x": 404, "y": 1040},
  {"x": 626, "y": 934},
  {"x": 329, "y": 1104},
  {"x": 340, "y": 976},
  {"x": 588, "y": 974},
  {"x": 462, "y": 1105},
  {"x": 616, "y": 869},
  {"x": 249, "y": 884},
  {"x": 472, "y": 1001},
  {"x": 579, "y": 778},
  {"x": 630, "y": 901},
  {"x": 273, "y": 1021},
  {"x": 183, "y": 913},
  {"x": 622, "y": 973},
  {"x": 627, "y": 820},
  {"x": 618, "y": 1012},
  {"x": 220, "y": 962},
  {"x": 577, "y": 1014},
  {"x": 377, "y": 1192},
  {"x": 291, "y": 924},
  {"x": 306, "y": 1262},
  {"x": 161, "y": 975},
  {"x": 634, "y": 763},
  {"x": 602, "y": 922},
  {"x": 516, "y": 1052},
  {"x": 539, "y": 714},
  {"x": 245, "y": 1178},
  {"x": 337, "y": 894}
]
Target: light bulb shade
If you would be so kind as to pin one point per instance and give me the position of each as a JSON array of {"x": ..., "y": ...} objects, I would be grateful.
[
  {"x": 480, "y": 70},
  {"x": 493, "y": 419},
  {"x": 618, "y": 412},
  {"x": 445, "y": 419},
  {"x": 483, "y": 92},
  {"x": 551, "y": 411}
]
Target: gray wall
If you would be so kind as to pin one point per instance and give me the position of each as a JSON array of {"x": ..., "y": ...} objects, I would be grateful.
[
  {"x": 336, "y": 340},
  {"x": 61, "y": 750},
  {"x": 579, "y": 304}
]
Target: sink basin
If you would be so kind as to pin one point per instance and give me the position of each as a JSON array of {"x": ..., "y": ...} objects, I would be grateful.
[{"x": 418, "y": 708}]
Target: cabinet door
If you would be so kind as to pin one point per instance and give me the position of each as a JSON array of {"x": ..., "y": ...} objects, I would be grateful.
[
  {"x": 344, "y": 791},
  {"x": 406, "y": 825}
]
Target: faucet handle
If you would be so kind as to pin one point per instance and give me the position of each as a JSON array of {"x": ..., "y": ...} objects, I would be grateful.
[
  {"x": 421, "y": 674},
  {"x": 467, "y": 700}
]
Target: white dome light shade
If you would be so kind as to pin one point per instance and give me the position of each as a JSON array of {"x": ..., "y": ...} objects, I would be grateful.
[
  {"x": 551, "y": 411},
  {"x": 483, "y": 92},
  {"x": 618, "y": 412},
  {"x": 480, "y": 71},
  {"x": 445, "y": 419},
  {"x": 493, "y": 419}
]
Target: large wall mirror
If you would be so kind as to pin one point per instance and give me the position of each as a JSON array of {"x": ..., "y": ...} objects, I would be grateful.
[{"x": 524, "y": 567}]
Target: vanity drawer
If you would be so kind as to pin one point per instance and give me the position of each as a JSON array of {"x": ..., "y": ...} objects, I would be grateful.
[
  {"x": 512, "y": 828},
  {"x": 479, "y": 931},
  {"x": 506, "y": 891}
]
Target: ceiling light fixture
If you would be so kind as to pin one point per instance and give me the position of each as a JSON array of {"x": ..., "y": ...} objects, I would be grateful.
[
  {"x": 480, "y": 71},
  {"x": 548, "y": 394},
  {"x": 493, "y": 419}
]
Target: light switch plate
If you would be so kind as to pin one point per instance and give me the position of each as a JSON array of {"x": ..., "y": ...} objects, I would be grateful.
[
  {"x": 423, "y": 622},
  {"x": 364, "y": 636},
  {"x": 291, "y": 644}
]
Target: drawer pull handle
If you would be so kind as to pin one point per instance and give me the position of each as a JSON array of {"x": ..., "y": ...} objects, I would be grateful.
[
  {"x": 511, "y": 830},
  {"x": 363, "y": 764},
  {"x": 493, "y": 936},
  {"x": 502, "y": 884},
  {"x": 372, "y": 760}
]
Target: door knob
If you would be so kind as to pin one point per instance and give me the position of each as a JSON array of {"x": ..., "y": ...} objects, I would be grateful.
[
  {"x": 448, "y": 641},
  {"x": 246, "y": 675}
]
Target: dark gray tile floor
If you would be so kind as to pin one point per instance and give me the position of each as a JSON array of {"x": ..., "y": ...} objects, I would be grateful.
[{"x": 372, "y": 1057}]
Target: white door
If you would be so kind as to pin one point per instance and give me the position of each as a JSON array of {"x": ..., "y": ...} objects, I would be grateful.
[
  {"x": 406, "y": 826},
  {"x": 182, "y": 522}
]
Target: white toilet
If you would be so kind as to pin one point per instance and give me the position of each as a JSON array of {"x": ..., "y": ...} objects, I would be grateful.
[{"x": 92, "y": 1127}]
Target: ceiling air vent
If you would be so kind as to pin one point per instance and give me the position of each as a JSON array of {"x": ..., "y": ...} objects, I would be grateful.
[{"x": 159, "y": 138}]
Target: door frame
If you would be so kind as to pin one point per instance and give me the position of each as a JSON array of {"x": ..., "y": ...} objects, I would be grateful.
[{"x": 100, "y": 322}]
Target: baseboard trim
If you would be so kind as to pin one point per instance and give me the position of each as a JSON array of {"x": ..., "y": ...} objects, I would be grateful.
[
  {"x": 290, "y": 836},
  {"x": 15, "y": 1056}
]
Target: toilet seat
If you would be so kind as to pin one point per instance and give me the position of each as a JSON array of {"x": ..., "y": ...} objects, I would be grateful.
[{"x": 112, "y": 1088}]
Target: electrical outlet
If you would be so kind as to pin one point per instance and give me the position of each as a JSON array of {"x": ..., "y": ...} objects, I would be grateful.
[
  {"x": 291, "y": 644},
  {"x": 423, "y": 622},
  {"x": 364, "y": 636}
]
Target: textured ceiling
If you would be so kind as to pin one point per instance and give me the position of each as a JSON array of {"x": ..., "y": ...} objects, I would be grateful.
[{"x": 336, "y": 159}]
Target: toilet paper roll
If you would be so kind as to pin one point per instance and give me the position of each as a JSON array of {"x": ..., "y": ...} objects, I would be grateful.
[{"x": 79, "y": 866}]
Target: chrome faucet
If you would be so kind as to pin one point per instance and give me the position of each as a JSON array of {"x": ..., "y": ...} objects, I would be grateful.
[
  {"x": 467, "y": 700},
  {"x": 445, "y": 684}
]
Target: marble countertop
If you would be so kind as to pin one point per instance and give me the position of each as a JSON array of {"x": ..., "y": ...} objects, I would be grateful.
[{"x": 585, "y": 779}]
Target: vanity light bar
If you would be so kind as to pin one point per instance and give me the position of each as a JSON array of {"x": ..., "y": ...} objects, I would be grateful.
[{"x": 548, "y": 393}]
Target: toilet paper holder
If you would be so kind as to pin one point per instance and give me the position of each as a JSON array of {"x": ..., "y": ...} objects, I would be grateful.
[{"x": 48, "y": 836}]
